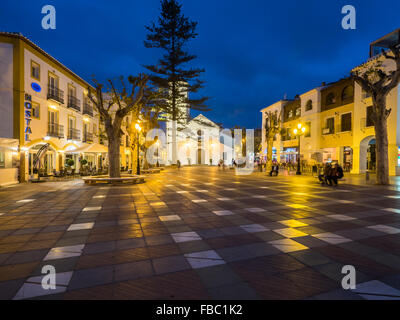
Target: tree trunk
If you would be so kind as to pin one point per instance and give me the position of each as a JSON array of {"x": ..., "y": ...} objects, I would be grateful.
[
  {"x": 270, "y": 142},
  {"x": 114, "y": 142},
  {"x": 382, "y": 160},
  {"x": 174, "y": 146}
]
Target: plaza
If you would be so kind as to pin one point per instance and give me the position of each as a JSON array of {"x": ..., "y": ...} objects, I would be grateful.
[{"x": 200, "y": 233}]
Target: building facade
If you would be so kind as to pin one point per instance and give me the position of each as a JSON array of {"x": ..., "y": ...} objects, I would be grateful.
[
  {"x": 338, "y": 121},
  {"x": 43, "y": 102}
]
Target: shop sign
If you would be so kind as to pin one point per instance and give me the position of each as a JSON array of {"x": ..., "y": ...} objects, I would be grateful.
[{"x": 28, "y": 116}]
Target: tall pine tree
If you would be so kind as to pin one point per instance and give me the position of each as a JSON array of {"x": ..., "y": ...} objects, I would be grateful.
[{"x": 171, "y": 34}]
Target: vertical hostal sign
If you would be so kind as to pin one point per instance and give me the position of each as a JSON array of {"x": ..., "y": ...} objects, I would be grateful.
[{"x": 28, "y": 117}]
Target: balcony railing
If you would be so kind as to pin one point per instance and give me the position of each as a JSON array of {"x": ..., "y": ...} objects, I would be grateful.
[
  {"x": 54, "y": 93},
  {"x": 88, "y": 109},
  {"x": 74, "y": 103},
  {"x": 326, "y": 131},
  {"x": 74, "y": 134},
  {"x": 87, "y": 137},
  {"x": 55, "y": 130}
]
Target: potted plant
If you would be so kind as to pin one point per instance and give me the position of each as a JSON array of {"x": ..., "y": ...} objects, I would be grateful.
[{"x": 69, "y": 163}]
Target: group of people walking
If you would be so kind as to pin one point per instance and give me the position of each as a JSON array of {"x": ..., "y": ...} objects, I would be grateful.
[{"x": 330, "y": 174}]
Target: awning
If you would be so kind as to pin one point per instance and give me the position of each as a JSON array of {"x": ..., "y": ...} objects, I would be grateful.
[{"x": 92, "y": 148}]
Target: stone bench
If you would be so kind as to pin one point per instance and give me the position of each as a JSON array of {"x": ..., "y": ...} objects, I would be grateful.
[
  {"x": 108, "y": 180},
  {"x": 150, "y": 171}
]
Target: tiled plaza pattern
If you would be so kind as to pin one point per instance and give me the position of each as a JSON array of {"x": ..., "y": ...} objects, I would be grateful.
[{"x": 200, "y": 233}]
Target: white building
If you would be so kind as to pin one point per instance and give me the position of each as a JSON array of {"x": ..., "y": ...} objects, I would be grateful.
[{"x": 44, "y": 102}]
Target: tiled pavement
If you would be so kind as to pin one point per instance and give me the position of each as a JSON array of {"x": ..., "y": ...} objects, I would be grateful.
[{"x": 200, "y": 233}]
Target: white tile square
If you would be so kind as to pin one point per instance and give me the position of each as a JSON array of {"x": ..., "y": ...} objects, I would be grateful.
[
  {"x": 230, "y": 189},
  {"x": 385, "y": 229},
  {"x": 185, "y": 236},
  {"x": 204, "y": 259},
  {"x": 170, "y": 218},
  {"x": 392, "y": 210},
  {"x": 2, "y": 214},
  {"x": 31, "y": 290},
  {"x": 293, "y": 223},
  {"x": 185, "y": 184},
  {"x": 223, "y": 199},
  {"x": 91, "y": 209},
  {"x": 62, "y": 279},
  {"x": 288, "y": 245},
  {"x": 255, "y": 210},
  {"x": 81, "y": 226},
  {"x": 259, "y": 197},
  {"x": 345, "y": 201},
  {"x": 377, "y": 290},
  {"x": 254, "y": 228},
  {"x": 265, "y": 188},
  {"x": 26, "y": 200},
  {"x": 202, "y": 191},
  {"x": 341, "y": 217},
  {"x": 331, "y": 238},
  {"x": 64, "y": 252},
  {"x": 169, "y": 185},
  {"x": 223, "y": 213},
  {"x": 99, "y": 197},
  {"x": 290, "y": 233},
  {"x": 199, "y": 201},
  {"x": 181, "y": 192},
  {"x": 393, "y": 197}
]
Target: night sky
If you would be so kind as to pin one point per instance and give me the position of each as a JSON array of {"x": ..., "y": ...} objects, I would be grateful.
[{"x": 253, "y": 51}]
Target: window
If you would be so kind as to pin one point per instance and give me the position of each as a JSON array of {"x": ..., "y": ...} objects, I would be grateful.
[
  {"x": 298, "y": 112},
  {"x": 35, "y": 110},
  {"x": 290, "y": 114},
  {"x": 348, "y": 93},
  {"x": 71, "y": 91},
  {"x": 309, "y": 105},
  {"x": 330, "y": 99},
  {"x": 53, "y": 81},
  {"x": 346, "y": 122},
  {"x": 35, "y": 70},
  {"x": 94, "y": 129},
  {"x": 330, "y": 125},
  {"x": 308, "y": 130},
  {"x": 369, "y": 122}
]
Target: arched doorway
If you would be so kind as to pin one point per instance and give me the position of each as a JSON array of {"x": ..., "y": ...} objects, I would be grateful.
[
  {"x": 47, "y": 162},
  {"x": 368, "y": 154},
  {"x": 200, "y": 151},
  {"x": 201, "y": 156}
]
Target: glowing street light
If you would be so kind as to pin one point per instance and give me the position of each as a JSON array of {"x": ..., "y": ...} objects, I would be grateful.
[{"x": 299, "y": 131}]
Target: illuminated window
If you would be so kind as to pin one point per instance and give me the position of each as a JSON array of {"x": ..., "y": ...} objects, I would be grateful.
[
  {"x": 35, "y": 70},
  {"x": 35, "y": 110}
]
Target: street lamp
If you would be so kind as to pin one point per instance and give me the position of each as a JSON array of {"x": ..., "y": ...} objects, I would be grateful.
[
  {"x": 299, "y": 131},
  {"x": 138, "y": 129}
]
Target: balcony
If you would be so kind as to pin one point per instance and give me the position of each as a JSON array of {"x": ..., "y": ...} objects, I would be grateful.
[
  {"x": 74, "y": 103},
  {"x": 326, "y": 131},
  {"x": 54, "y": 93},
  {"x": 88, "y": 109},
  {"x": 74, "y": 134},
  {"x": 55, "y": 130},
  {"x": 87, "y": 137}
]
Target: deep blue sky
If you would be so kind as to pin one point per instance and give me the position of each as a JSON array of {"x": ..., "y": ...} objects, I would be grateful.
[{"x": 253, "y": 51}]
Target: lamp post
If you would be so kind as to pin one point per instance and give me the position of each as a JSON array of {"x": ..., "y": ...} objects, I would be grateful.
[
  {"x": 299, "y": 131},
  {"x": 138, "y": 129}
]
